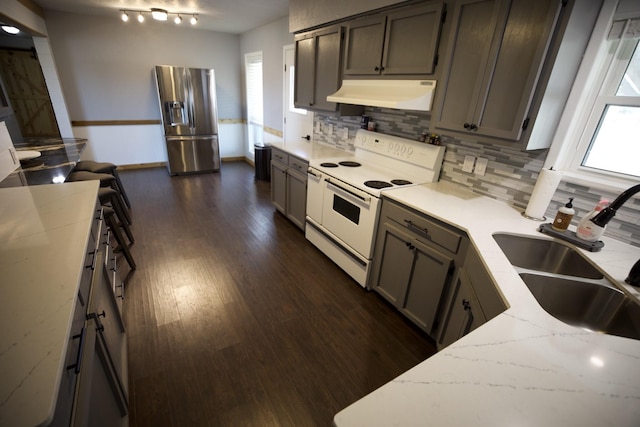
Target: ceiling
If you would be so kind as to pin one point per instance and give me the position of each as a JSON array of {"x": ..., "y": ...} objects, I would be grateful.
[{"x": 229, "y": 16}]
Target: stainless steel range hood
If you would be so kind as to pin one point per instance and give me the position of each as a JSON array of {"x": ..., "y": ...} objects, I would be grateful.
[{"x": 400, "y": 94}]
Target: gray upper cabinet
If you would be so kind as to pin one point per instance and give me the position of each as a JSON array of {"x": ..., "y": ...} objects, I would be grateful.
[
  {"x": 317, "y": 70},
  {"x": 396, "y": 43},
  {"x": 307, "y": 14},
  {"x": 494, "y": 56}
]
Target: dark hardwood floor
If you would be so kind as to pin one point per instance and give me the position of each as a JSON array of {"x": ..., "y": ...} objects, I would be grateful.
[{"x": 234, "y": 319}]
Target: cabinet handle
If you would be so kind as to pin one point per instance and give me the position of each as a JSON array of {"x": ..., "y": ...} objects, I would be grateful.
[
  {"x": 470, "y": 126},
  {"x": 376, "y": 69},
  {"x": 94, "y": 258},
  {"x": 76, "y": 366},
  {"x": 121, "y": 286},
  {"x": 98, "y": 322},
  {"x": 308, "y": 137},
  {"x": 410, "y": 246},
  {"x": 467, "y": 307},
  {"x": 410, "y": 224}
]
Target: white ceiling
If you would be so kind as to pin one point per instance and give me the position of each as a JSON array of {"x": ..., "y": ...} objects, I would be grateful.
[{"x": 229, "y": 16}]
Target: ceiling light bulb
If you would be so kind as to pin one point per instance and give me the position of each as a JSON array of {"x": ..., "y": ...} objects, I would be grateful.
[
  {"x": 125, "y": 16},
  {"x": 10, "y": 29},
  {"x": 194, "y": 20},
  {"x": 159, "y": 14},
  {"x": 140, "y": 17},
  {"x": 178, "y": 19}
]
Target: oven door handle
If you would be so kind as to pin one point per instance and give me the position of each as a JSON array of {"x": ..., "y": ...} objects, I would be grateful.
[
  {"x": 352, "y": 192},
  {"x": 310, "y": 172}
]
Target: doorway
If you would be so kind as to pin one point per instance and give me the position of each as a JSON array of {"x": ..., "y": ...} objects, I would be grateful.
[{"x": 298, "y": 123}]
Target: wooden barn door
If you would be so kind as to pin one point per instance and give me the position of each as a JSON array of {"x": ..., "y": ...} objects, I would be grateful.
[{"x": 27, "y": 92}]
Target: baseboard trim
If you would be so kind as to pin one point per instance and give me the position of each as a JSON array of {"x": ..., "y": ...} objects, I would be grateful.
[{"x": 164, "y": 164}]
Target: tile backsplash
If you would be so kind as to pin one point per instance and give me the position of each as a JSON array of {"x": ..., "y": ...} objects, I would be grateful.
[{"x": 511, "y": 172}]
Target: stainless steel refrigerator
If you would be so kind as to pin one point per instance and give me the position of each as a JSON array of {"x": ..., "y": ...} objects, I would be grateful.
[{"x": 190, "y": 119}]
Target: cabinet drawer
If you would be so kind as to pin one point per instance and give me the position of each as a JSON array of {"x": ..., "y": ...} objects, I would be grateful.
[
  {"x": 299, "y": 165},
  {"x": 430, "y": 229},
  {"x": 279, "y": 156}
]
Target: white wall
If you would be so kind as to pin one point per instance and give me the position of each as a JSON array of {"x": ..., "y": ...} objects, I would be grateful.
[
  {"x": 270, "y": 39},
  {"x": 105, "y": 69}
]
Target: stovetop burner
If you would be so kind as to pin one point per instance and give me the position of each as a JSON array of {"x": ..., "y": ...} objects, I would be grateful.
[
  {"x": 401, "y": 182},
  {"x": 329, "y": 165},
  {"x": 349, "y": 163},
  {"x": 377, "y": 184}
]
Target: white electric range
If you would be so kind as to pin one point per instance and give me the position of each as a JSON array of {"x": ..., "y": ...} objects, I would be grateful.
[{"x": 343, "y": 194}]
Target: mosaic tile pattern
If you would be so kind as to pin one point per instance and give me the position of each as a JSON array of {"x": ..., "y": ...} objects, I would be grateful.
[{"x": 510, "y": 176}]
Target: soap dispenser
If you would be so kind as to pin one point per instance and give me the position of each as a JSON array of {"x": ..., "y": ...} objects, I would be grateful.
[
  {"x": 587, "y": 230},
  {"x": 564, "y": 216}
]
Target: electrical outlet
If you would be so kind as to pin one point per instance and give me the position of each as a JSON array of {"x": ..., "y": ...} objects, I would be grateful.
[
  {"x": 481, "y": 166},
  {"x": 468, "y": 164},
  {"x": 330, "y": 129},
  {"x": 318, "y": 127},
  {"x": 344, "y": 133}
]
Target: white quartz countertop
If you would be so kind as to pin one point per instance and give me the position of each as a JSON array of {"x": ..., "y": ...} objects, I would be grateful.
[
  {"x": 522, "y": 368},
  {"x": 310, "y": 150},
  {"x": 44, "y": 232}
]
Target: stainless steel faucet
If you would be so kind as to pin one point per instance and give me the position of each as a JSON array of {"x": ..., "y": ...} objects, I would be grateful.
[{"x": 605, "y": 215}]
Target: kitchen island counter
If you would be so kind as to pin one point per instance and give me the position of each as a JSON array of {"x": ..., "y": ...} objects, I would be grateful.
[
  {"x": 58, "y": 158},
  {"x": 523, "y": 367},
  {"x": 43, "y": 243}
]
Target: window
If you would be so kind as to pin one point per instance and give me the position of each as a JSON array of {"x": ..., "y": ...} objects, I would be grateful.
[
  {"x": 613, "y": 144},
  {"x": 253, "y": 70},
  {"x": 600, "y": 143}
]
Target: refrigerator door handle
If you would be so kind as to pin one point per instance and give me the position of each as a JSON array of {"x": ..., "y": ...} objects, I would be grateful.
[{"x": 191, "y": 101}]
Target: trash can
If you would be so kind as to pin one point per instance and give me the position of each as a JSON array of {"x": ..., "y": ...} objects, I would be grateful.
[{"x": 262, "y": 156}]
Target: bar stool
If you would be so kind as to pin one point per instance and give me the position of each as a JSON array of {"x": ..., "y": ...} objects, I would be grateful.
[
  {"x": 106, "y": 180},
  {"x": 109, "y": 196},
  {"x": 109, "y": 217},
  {"x": 103, "y": 167}
]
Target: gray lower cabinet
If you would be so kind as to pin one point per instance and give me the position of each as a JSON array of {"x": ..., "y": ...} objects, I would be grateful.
[
  {"x": 289, "y": 186},
  {"x": 296, "y": 197},
  {"x": 464, "y": 314},
  {"x": 414, "y": 263},
  {"x": 412, "y": 275},
  {"x": 495, "y": 53},
  {"x": 94, "y": 384},
  {"x": 474, "y": 300},
  {"x": 399, "y": 42}
]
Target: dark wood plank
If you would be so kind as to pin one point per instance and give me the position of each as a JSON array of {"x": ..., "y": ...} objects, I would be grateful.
[{"x": 234, "y": 318}]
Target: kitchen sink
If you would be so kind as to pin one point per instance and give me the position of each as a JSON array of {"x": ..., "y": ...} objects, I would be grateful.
[
  {"x": 545, "y": 255},
  {"x": 569, "y": 287},
  {"x": 594, "y": 306}
]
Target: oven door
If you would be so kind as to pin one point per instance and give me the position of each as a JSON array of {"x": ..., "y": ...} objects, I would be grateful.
[{"x": 350, "y": 214}]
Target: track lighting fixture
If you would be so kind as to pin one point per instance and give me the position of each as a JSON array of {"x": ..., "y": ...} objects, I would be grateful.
[{"x": 158, "y": 15}]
